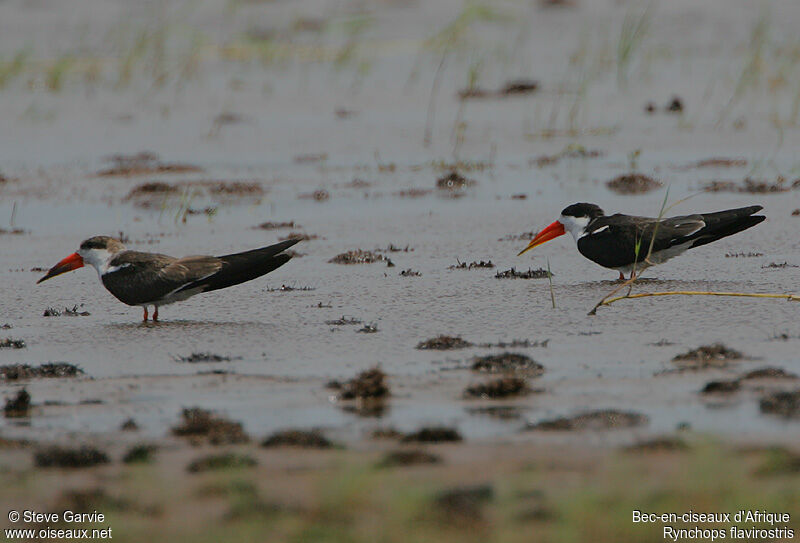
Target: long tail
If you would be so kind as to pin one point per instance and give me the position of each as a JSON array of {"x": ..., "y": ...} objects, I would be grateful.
[
  {"x": 240, "y": 267},
  {"x": 726, "y": 223}
]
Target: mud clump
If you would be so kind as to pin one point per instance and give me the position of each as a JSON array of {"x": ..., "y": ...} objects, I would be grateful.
[
  {"x": 721, "y": 387},
  {"x": 344, "y": 321},
  {"x": 303, "y": 439},
  {"x": 357, "y": 256},
  {"x": 410, "y": 273},
  {"x": 675, "y": 105},
  {"x": 412, "y": 457},
  {"x": 507, "y": 363},
  {"x": 320, "y": 195},
  {"x": 64, "y": 457},
  {"x": 743, "y": 255},
  {"x": 311, "y": 158},
  {"x": 386, "y": 433},
  {"x": 519, "y": 86},
  {"x": 233, "y": 188},
  {"x": 465, "y": 502},
  {"x": 18, "y": 406},
  {"x": 530, "y": 274},
  {"x": 504, "y": 387},
  {"x": 516, "y": 343},
  {"x": 571, "y": 151},
  {"x": 433, "y": 434},
  {"x": 302, "y": 236},
  {"x": 796, "y": 213},
  {"x": 658, "y": 444},
  {"x": 607, "y": 419},
  {"x": 129, "y": 425},
  {"x": 718, "y": 162},
  {"x": 472, "y": 265},
  {"x": 216, "y": 462},
  {"x": 11, "y": 343},
  {"x": 784, "y": 404},
  {"x": 144, "y": 163},
  {"x": 444, "y": 343},
  {"x": 202, "y": 425},
  {"x": 270, "y": 225},
  {"x": 633, "y": 183},
  {"x": 518, "y": 237},
  {"x": 74, "y": 312},
  {"x": 454, "y": 181},
  {"x": 196, "y": 358},
  {"x": 769, "y": 372},
  {"x": 779, "y": 461},
  {"x": 413, "y": 193},
  {"x": 752, "y": 186},
  {"x": 13, "y": 372},
  {"x": 139, "y": 454},
  {"x": 150, "y": 189},
  {"x": 499, "y": 412},
  {"x": 289, "y": 288},
  {"x": 514, "y": 87},
  {"x": 8, "y": 443},
  {"x": 371, "y": 328},
  {"x": 716, "y": 355},
  {"x": 369, "y": 384},
  {"x": 392, "y": 248}
]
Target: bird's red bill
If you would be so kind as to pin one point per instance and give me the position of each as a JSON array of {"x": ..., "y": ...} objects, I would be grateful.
[
  {"x": 72, "y": 262},
  {"x": 553, "y": 231}
]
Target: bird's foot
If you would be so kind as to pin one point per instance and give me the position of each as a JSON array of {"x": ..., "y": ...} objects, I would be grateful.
[
  {"x": 621, "y": 277},
  {"x": 155, "y": 315},
  {"x": 144, "y": 318}
]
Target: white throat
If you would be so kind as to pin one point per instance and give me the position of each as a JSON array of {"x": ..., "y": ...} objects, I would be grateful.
[
  {"x": 97, "y": 258},
  {"x": 575, "y": 225}
]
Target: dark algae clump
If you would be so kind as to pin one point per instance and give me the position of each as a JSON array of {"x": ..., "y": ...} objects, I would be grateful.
[
  {"x": 507, "y": 363},
  {"x": 605, "y": 419},
  {"x": 433, "y": 434},
  {"x": 303, "y": 439},
  {"x": 18, "y": 405},
  {"x": 202, "y": 425},
  {"x": 444, "y": 343},
  {"x": 56, "y": 456},
  {"x": 504, "y": 387}
]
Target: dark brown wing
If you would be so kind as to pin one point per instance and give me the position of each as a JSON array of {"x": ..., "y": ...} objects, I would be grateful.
[
  {"x": 138, "y": 278},
  {"x": 240, "y": 267}
]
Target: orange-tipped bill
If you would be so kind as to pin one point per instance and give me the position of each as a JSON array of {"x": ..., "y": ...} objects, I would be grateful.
[
  {"x": 553, "y": 231},
  {"x": 72, "y": 262}
]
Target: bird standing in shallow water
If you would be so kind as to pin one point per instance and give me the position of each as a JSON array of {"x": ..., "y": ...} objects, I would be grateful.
[
  {"x": 622, "y": 242},
  {"x": 151, "y": 279}
]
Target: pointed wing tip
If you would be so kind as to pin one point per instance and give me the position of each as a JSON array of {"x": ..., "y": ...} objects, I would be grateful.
[{"x": 290, "y": 242}]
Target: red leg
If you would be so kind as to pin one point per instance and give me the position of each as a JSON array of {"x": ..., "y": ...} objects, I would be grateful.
[
  {"x": 155, "y": 314},
  {"x": 621, "y": 276},
  {"x": 144, "y": 319}
]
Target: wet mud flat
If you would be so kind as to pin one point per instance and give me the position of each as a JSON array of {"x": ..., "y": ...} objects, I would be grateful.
[{"x": 412, "y": 206}]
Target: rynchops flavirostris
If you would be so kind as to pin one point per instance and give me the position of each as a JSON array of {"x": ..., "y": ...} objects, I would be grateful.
[
  {"x": 144, "y": 279},
  {"x": 612, "y": 241}
]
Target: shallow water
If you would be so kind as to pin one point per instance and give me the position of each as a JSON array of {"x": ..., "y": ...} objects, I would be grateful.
[{"x": 285, "y": 352}]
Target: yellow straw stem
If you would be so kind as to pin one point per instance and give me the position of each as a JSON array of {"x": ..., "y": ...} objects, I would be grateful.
[{"x": 790, "y": 297}]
